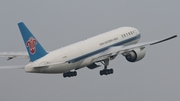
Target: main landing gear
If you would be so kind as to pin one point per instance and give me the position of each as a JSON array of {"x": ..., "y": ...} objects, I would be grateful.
[
  {"x": 106, "y": 71},
  {"x": 69, "y": 74}
]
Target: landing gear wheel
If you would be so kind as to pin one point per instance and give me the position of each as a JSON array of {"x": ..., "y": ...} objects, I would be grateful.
[
  {"x": 75, "y": 73},
  {"x": 64, "y": 75},
  {"x": 111, "y": 71},
  {"x": 101, "y": 72},
  {"x": 69, "y": 74},
  {"x": 106, "y": 71}
]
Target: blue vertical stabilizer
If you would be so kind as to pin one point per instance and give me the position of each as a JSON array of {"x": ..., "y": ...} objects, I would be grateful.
[{"x": 34, "y": 48}]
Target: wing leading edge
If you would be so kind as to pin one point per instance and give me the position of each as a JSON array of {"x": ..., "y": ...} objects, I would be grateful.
[{"x": 122, "y": 49}]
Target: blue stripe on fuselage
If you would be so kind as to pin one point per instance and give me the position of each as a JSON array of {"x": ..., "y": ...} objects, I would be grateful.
[{"x": 103, "y": 49}]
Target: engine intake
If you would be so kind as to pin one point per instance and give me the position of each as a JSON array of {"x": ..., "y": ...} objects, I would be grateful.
[{"x": 135, "y": 55}]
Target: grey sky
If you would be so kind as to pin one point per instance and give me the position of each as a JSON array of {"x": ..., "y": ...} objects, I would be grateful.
[{"x": 59, "y": 23}]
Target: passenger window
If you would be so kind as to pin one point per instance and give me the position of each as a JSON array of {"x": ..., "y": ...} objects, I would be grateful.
[
  {"x": 131, "y": 32},
  {"x": 126, "y": 34},
  {"x": 122, "y": 36}
]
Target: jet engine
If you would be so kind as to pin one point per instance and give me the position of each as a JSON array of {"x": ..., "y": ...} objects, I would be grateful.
[{"x": 135, "y": 55}]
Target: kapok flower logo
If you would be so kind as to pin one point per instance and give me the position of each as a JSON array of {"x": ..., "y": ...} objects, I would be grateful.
[{"x": 31, "y": 43}]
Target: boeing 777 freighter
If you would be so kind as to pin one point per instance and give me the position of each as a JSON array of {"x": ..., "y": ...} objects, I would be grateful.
[{"x": 87, "y": 53}]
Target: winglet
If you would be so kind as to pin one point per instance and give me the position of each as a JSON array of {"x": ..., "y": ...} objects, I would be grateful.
[
  {"x": 34, "y": 48},
  {"x": 164, "y": 40}
]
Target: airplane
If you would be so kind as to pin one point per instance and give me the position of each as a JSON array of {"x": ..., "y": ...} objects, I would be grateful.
[{"x": 87, "y": 53}]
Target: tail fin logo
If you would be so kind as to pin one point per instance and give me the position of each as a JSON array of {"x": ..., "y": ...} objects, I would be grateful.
[{"x": 31, "y": 43}]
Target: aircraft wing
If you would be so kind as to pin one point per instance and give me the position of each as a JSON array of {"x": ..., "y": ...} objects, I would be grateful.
[
  {"x": 122, "y": 49},
  {"x": 11, "y": 55}
]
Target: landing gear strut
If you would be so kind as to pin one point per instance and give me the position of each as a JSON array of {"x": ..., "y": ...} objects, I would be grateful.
[
  {"x": 69, "y": 74},
  {"x": 106, "y": 71}
]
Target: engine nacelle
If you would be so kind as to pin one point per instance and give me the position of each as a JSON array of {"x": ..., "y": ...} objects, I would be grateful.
[{"x": 135, "y": 55}]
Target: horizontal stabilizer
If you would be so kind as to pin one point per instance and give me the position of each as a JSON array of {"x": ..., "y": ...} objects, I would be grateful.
[
  {"x": 11, "y": 55},
  {"x": 11, "y": 67}
]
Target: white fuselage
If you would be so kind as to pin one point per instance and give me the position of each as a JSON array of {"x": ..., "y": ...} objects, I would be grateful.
[{"x": 80, "y": 54}]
